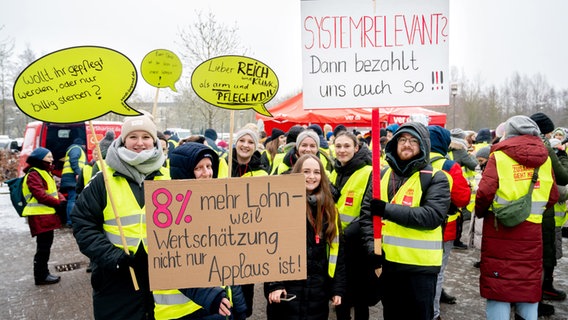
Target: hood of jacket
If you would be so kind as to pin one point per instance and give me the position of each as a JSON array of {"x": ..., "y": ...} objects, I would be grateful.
[
  {"x": 421, "y": 160},
  {"x": 527, "y": 150},
  {"x": 440, "y": 139}
]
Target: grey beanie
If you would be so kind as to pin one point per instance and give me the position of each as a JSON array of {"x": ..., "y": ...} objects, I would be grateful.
[
  {"x": 457, "y": 133},
  {"x": 520, "y": 125},
  {"x": 106, "y": 141},
  {"x": 305, "y": 134},
  {"x": 244, "y": 132},
  {"x": 483, "y": 152}
]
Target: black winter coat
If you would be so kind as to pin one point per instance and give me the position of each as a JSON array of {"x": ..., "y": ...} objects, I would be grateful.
[{"x": 313, "y": 294}]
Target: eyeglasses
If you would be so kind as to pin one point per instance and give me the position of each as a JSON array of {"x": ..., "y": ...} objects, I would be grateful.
[{"x": 413, "y": 141}]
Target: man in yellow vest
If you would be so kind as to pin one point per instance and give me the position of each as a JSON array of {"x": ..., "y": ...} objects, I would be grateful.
[
  {"x": 75, "y": 160},
  {"x": 414, "y": 200}
]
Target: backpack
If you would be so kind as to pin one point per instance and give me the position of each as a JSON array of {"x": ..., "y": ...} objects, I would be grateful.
[{"x": 15, "y": 186}]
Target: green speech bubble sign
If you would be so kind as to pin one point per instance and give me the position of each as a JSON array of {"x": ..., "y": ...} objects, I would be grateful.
[
  {"x": 76, "y": 84},
  {"x": 235, "y": 82},
  {"x": 161, "y": 68}
]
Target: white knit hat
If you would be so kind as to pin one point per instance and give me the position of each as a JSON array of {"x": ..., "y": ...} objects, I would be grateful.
[
  {"x": 244, "y": 132},
  {"x": 143, "y": 122},
  {"x": 305, "y": 134}
]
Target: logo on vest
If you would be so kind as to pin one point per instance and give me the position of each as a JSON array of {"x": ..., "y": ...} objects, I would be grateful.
[
  {"x": 349, "y": 198},
  {"x": 408, "y": 197}
]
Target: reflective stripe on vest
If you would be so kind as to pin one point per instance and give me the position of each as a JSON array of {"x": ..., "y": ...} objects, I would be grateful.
[
  {"x": 333, "y": 251},
  {"x": 451, "y": 219},
  {"x": 172, "y": 304},
  {"x": 132, "y": 217},
  {"x": 80, "y": 162},
  {"x": 349, "y": 203},
  {"x": 408, "y": 245},
  {"x": 514, "y": 182},
  {"x": 560, "y": 214},
  {"x": 33, "y": 207}
]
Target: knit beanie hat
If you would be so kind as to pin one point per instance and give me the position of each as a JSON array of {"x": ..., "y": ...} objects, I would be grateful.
[
  {"x": 211, "y": 134},
  {"x": 244, "y": 132},
  {"x": 185, "y": 158},
  {"x": 305, "y": 134},
  {"x": 106, "y": 141},
  {"x": 544, "y": 123},
  {"x": 293, "y": 133},
  {"x": 39, "y": 153},
  {"x": 393, "y": 127},
  {"x": 276, "y": 133},
  {"x": 500, "y": 130},
  {"x": 483, "y": 152},
  {"x": 520, "y": 125},
  {"x": 317, "y": 129},
  {"x": 554, "y": 142},
  {"x": 457, "y": 133},
  {"x": 144, "y": 122},
  {"x": 338, "y": 129}
]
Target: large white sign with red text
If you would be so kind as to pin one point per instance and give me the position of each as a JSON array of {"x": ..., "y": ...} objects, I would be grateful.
[{"x": 375, "y": 53}]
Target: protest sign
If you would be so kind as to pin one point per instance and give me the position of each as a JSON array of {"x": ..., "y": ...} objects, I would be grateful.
[
  {"x": 204, "y": 233},
  {"x": 161, "y": 68},
  {"x": 236, "y": 83},
  {"x": 388, "y": 53},
  {"x": 76, "y": 84}
]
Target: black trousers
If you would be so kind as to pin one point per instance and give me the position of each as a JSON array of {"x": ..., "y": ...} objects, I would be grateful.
[
  {"x": 43, "y": 249},
  {"x": 408, "y": 295}
]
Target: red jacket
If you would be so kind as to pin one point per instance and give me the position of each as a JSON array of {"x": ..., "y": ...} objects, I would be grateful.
[
  {"x": 511, "y": 258},
  {"x": 45, "y": 222}
]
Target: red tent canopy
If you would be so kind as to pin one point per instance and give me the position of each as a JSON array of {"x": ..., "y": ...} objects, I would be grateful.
[{"x": 291, "y": 112}]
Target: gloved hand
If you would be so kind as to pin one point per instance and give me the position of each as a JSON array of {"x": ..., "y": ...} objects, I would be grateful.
[
  {"x": 378, "y": 207},
  {"x": 125, "y": 261}
]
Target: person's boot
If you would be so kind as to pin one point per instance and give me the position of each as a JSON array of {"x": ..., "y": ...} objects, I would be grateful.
[
  {"x": 551, "y": 293},
  {"x": 459, "y": 245},
  {"x": 545, "y": 309},
  {"x": 548, "y": 290},
  {"x": 446, "y": 298},
  {"x": 49, "y": 279}
]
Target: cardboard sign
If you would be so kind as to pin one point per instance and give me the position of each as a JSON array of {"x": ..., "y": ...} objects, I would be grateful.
[
  {"x": 236, "y": 83},
  {"x": 362, "y": 53},
  {"x": 76, "y": 84},
  {"x": 161, "y": 68},
  {"x": 204, "y": 233}
]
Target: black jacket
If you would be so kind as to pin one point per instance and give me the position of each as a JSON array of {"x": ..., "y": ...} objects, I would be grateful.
[
  {"x": 435, "y": 200},
  {"x": 314, "y": 293}
]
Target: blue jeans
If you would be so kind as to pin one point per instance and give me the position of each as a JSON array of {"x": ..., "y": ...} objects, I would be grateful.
[
  {"x": 498, "y": 310},
  {"x": 71, "y": 196},
  {"x": 447, "y": 245}
]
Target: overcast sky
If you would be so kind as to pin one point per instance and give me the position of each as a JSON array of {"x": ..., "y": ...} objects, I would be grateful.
[{"x": 489, "y": 40}]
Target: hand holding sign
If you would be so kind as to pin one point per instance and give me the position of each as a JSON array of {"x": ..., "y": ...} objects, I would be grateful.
[
  {"x": 76, "y": 84},
  {"x": 235, "y": 82}
]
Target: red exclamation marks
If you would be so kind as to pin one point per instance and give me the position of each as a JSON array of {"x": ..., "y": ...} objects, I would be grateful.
[{"x": 437, "y": 80}]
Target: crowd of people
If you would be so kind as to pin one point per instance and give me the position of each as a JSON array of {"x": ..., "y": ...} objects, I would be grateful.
[{"x": 510, "y": 182}]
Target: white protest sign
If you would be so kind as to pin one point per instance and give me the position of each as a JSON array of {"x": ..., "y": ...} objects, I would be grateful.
[{"x": 382, "y": 53}]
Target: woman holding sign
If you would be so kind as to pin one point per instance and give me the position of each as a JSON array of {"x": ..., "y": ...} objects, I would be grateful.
[
  {"x": 246, "y": 162},
  {"x": 309, "y": 298},
  {"x": 192, "y": 160},
  {"x": 131, "y": 159}
]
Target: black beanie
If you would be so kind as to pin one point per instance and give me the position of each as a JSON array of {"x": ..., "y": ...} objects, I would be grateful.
[
  {"x": 338, "y": 129},
  {"x": 293, "y": 133},
  {"x": 544, "y": 123},
  {"x": 276, "y": 133}
]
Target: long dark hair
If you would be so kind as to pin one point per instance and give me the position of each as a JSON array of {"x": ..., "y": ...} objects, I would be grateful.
[{"x": 325, "y": 206}]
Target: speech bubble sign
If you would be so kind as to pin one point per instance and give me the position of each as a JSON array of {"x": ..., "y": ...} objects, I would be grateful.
[
  {"x": 76, "y": 84},
  {"x": 161, "y": 68},
  {"x": 236, "y": 83}
]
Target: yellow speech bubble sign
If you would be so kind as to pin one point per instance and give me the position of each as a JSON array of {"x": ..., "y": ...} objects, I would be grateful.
[
  {"x": 161, "y": 68},
  {"x": 235, "y": 82},
  {"x": 76, "y": 84}
]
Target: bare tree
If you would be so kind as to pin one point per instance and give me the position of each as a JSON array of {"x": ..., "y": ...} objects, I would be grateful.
[
  {"x": 6, "y": 49},
  {"x": 206, "y": 38}
]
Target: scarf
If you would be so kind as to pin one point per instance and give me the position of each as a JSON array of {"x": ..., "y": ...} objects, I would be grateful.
[{"x": 135, "y": 166}]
